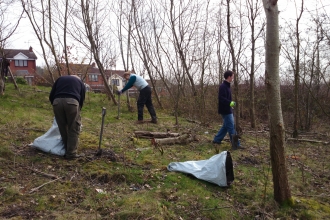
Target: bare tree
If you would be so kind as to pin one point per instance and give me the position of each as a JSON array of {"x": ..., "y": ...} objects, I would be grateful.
[
  {"x": 65, "y": 25},
  {"x": 254, "y": 10},
  {"x": 93, "y": 23},
  {"x": 294, "y": 59},
  {"x": 124, "y": 13},
  {"x": 7, "y": 26},
  {"x": 182, "y": 37},
  {"x": 313, "y": 85},
  {"x": 167, "y": 66},
  {"x": 42, "y": 24},
  {"x": 282, "y": 193},
  {"x": 235, "y": 56},
  {"x": 7, "y": 29},
  {"x": 202, "y": 59},
  {"x": 223, "y": 53},
  {"x": 143, "y": 41}
]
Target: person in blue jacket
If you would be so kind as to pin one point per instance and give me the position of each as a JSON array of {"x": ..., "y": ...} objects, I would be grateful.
[
  {"x": 144, "y": 96},
  {"x": 67, "y": 97},
  {"x": 225, "y": 106}
]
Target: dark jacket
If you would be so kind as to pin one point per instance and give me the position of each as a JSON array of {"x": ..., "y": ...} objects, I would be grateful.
[
  {"x": 68, "y": 87},
  {"x": 224, "y": 97},
  {"x": 4, "y": 64}
]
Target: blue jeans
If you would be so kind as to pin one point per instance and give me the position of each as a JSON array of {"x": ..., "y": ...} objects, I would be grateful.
[{"x": 228, "y": 126}]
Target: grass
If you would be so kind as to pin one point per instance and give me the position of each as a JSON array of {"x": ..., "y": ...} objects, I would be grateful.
[{"x": 133, "y": 181}]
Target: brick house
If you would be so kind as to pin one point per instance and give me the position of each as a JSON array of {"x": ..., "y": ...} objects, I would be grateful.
[
  {"x": 22, "y": 63},
  {"x": 116, "y": 78},
  {"x": 161, "y": 88},
  {"x": 95, "y": 80},
  {"x": 91, "y": 75}
]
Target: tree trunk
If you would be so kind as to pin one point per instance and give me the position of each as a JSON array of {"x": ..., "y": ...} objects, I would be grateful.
[
  {"x": 145, "y": 50},
  {"x": 121, "y": 44},
  {"x": 91, "y": 34},
  {"x": 235, "y": 70},
  {"x": 282, "y": 192},
  {"x": 297, "y": 76},
  {"x": 2, "y": 82},
  {"x": 178, "y": 38},
  {"x": 255, "y": 9}
]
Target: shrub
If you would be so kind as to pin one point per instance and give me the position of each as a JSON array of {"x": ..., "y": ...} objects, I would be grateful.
[{"x": 21, "y": 80}]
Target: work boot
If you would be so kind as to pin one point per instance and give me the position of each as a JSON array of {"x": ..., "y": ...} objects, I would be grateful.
[
  {"x": 140, "y": 122},
  {"x": 234, "y": 142},
  {"x": 154, "y": 121},
  {"x": 238, "y": 148}
]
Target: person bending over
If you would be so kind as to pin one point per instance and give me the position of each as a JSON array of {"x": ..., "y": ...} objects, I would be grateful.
[
  {"x": 67, "y": 97},
  {"x": 144, "y": 96}
]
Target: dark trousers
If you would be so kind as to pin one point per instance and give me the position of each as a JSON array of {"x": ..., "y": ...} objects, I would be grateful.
[
  {"x": 67, "y": 114},
  {"x": 145, "y": 99},
  {"x": 4, "y": 72}
]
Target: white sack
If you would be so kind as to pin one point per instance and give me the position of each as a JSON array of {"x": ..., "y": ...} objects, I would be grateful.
[
  {"x": 50, "y": 142},
  {"x": 212, "y": 170}
]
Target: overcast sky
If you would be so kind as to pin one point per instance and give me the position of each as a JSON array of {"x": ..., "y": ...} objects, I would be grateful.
[{"x": 24, "y": 37}]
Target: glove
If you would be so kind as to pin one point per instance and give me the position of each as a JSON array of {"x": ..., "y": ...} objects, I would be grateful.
[
  {"x": 232, "y": 104},
  {"x": 119, "y": 92}
]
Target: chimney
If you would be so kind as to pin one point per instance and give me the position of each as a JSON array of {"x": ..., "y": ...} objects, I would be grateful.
[
  {"x": 30, "y": 49},
  {"x": 93, "y": 64}
]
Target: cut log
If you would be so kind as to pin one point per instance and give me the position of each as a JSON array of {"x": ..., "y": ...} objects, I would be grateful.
[
  {"x": 307, "y": 140},
  {"x": 255, "y": 131},
  {"x": 148, "y": 134},
  {"x": 183, "y": 139}
]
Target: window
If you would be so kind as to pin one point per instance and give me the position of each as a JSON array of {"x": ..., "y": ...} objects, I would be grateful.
[
  {"x": 115, "y": 82},
  {"x": 93, "y": 78},
  {"x": 20, "y": 62}
]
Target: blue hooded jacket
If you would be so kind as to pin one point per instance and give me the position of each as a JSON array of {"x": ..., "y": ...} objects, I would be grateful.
[{"x": 224, "y": 97}]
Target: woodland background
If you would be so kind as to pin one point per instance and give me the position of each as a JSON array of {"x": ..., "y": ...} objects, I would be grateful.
[{"x": 281, "y": 69}]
